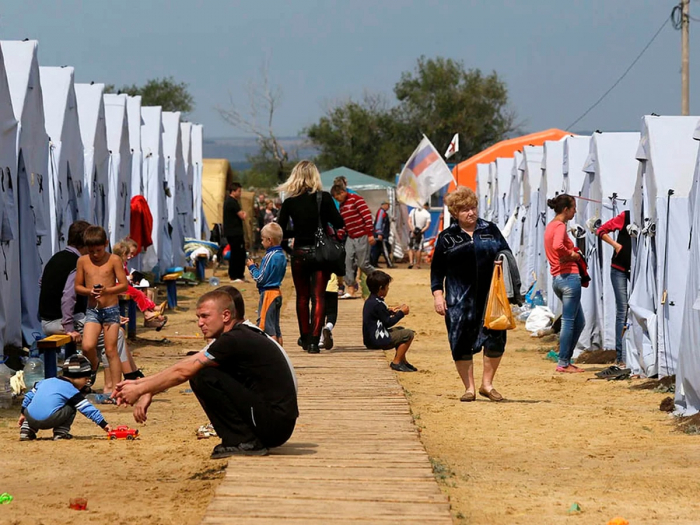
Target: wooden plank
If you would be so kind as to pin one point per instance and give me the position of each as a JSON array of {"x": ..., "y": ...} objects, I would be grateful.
[
  {"x": 354, "y": 457},
  {"x": 54, "y": 341}
]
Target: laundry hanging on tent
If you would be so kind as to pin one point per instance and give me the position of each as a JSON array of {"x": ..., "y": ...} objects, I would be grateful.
[{"x": 141, "y": 223}]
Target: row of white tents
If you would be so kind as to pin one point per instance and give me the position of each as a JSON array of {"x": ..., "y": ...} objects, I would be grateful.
[
  {"x": 69, "y": 151},
  {"x": 655, "y": 174}
]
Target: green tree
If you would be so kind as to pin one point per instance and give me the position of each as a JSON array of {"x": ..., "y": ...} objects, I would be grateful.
[
  {"x": 359, "y": 135},
  {"x": 440, "y": 98},
  {"x": 164, "y": 92}
]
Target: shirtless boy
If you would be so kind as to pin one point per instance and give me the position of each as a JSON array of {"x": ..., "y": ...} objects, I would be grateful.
[{"x": 100, "y": 275}]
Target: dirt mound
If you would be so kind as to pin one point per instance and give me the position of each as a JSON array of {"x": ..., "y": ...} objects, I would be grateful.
[
  {"x": 597, "y": 357},
  {"x": 668, "y": 383}
]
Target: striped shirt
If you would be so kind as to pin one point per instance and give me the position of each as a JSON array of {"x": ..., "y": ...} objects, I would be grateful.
[{"x": 357, "y": 217}]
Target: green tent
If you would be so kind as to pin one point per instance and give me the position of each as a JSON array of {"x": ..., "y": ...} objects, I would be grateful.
[{"x": 356, "y": 181}]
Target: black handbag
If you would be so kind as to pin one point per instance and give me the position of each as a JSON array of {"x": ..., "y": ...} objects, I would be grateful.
[{"x": 329, "y": 251}]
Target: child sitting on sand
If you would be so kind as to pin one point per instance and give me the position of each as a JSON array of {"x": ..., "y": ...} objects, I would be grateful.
[
  {"x": 378, "y": 320},
  {"x": 268, "y": 277},
  {"x": 53, "y": 402},
  {"x": 152, "y": 315}
]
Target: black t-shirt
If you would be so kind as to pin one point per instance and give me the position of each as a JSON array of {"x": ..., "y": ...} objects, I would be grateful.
[
  {"x": 233, "y": 224},
  {"x": 303, "y": 212},
  {"x": 258, "y": 363}
]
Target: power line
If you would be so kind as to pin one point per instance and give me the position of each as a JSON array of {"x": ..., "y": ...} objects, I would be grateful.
[{"x": 622, "y": 76}]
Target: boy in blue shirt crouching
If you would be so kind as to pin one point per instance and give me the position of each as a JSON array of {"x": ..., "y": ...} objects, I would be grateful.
[
  {"x": 53, "y": 402},
  {"x": 268, "y": 277}
]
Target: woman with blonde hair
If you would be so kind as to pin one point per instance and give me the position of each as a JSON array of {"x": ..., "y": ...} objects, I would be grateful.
[
  {"x": 304, "y": 200},
  {"x": 460, "y": 278}
]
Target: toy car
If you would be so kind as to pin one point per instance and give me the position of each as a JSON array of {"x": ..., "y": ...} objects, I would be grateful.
[{"x": 123, "y": 432}]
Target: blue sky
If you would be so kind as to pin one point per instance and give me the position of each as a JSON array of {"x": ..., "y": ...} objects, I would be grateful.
[{"x": 557, "y": 56}]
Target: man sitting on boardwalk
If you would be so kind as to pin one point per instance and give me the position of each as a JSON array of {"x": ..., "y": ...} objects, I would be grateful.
[{"x": 243, "y": 380}]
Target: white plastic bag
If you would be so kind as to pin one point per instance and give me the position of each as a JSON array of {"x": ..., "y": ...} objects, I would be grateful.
[{"x": 540, "y": 318}]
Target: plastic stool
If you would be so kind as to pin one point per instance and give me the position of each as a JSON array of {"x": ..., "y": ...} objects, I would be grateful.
[{"x": 171, "y": 289}]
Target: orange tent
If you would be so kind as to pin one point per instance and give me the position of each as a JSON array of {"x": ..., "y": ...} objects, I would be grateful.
[{"x": 465, "y": 172}]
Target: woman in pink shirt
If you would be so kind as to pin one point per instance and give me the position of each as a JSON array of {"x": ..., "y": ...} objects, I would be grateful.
[{"x": 567, "y": 282}]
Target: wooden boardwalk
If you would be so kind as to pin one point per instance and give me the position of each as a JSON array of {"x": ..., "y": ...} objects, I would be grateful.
[{"x": 355, "y": 455}]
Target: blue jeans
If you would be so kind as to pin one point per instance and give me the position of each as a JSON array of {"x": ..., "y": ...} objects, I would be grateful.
[
  {"x": 567, "y": 288},
  {"x": 619, "y": 284}
]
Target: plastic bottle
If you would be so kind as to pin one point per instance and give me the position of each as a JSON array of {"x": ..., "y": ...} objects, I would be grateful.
[
  {"x": 213, "y": 281},
  {"x": 33, "y": 371},
  {"x": 5, "y": 388},
  {"x": 538, "y": 300}
]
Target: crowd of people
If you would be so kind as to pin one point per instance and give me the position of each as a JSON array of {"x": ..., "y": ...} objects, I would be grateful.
[{"x": 243, "y": 378}]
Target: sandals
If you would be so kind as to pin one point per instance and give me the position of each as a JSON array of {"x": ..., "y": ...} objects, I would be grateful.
[
  {"x": 570, "y": 369},
  {"x": 468, "y": 397},
  {"x": 492, "y": 394},
  {"x": 614, "y": 372},
  {"x": 156, "y": 322}
]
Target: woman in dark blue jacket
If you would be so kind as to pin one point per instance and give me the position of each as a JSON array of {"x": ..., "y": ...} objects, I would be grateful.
[{"x": 460, "y": 278}]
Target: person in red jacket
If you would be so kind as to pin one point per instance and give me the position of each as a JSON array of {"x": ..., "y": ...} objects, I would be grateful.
[{"x": 360, "y": 230}]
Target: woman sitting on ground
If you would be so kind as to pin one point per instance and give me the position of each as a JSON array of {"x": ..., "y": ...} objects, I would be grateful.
[{"x": 460, "y": 278}]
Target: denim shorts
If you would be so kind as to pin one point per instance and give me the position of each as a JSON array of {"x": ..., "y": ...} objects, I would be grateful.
[{"x": 109, "y": 315}]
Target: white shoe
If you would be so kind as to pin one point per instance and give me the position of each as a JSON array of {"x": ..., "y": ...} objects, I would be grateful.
[{"x": 346, "y": 295}]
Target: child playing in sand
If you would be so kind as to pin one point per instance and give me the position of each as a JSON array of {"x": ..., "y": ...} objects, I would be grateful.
[
  {"x": 378, "y": 320},
  {"x": 53, "y": 402},
  {"x": 268, "y": 277},
  {"x": 100, "y": 275},
  {"x": 152, "y": 315}
]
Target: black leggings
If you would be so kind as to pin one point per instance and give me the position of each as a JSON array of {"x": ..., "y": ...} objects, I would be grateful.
[
  {"x": 310, "y": 282},
  {"x": 331, "y": 307}
]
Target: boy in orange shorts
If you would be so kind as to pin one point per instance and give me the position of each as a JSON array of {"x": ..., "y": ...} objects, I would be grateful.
[{"x": 268, "y": 277}]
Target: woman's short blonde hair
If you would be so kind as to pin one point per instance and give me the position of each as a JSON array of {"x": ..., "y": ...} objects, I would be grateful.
[
  {"x": 304, "y": 177},
  {"x": 461, "y": 199},
  {"x": 121, "y": 249},
  {"x": 273, "y": 231}
]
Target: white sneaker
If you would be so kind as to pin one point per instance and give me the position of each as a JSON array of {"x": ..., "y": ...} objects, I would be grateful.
[{"x": 347, "y": 295}]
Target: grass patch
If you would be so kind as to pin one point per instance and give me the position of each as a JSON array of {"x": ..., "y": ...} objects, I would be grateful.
[{"x": 442, "y": 472}]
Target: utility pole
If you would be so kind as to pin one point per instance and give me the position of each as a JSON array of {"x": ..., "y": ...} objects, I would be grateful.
[{"x": 685, "y": 73}]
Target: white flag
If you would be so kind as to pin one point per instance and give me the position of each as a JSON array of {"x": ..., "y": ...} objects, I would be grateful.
[
  {"x": 453, "y": 147},
  {"x": 424, "y": 173}
]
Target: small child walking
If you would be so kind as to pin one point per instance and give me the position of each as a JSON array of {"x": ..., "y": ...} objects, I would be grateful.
[
  {"x": 268, "y": 276},
  {"x": 378, "y": 323},
  {"x": 100, "y": 275},
  {"x": 53, "y": 402},
  {"x": 331, "y": 314}
]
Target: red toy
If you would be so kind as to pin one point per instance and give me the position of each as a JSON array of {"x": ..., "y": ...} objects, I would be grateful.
[{"x": 123, "y": 432}]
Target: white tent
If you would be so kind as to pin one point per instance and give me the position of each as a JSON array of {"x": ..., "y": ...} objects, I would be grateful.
[
  {"x": 483, "y": 190},
  {"x": 10, "y": 315},
  {"x": 552, "y": 185},
  {"x": 176, "y": 178},
  {"x": 32, "y": 199},
  {"x": 688, "y": 372},
  {"x": 91, "y": 113},
  {"x": 503, "y": 173},
  {"x": 133, "y": 109},
  {"x": 160, "y": 255},
  {"x": 611, "y": 169},
  {"x": 517, "y": 211},
  {"x": 576, "y": 148},
  {"x": 68, "y": 198},
  {"x": 533, "y": 229},
  {"x": 187, "y": 214},
  {"x": 200, "y": 222},
  {"x": 667, "y": 155},
  {"x": 119, "y": 176}
]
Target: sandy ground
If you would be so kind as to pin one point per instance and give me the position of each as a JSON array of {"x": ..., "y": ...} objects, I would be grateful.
[
  {"x": 556, "y": 439},
  {"x": 164, "y": 477}
]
